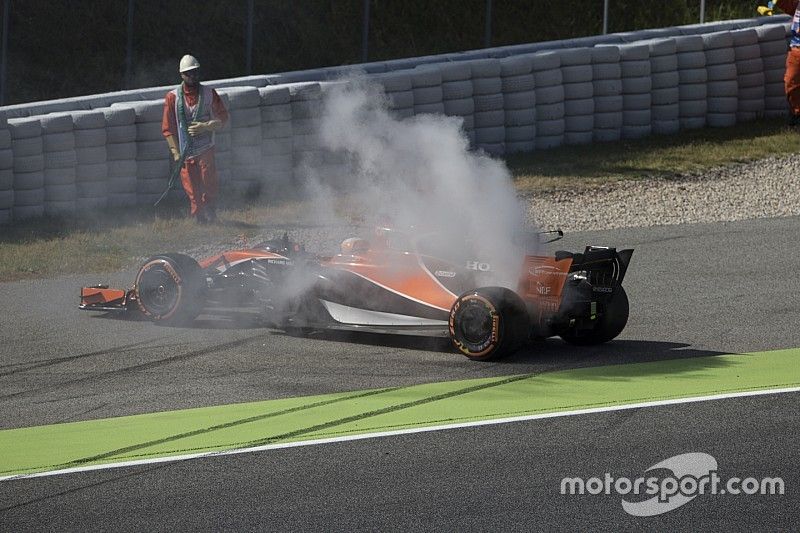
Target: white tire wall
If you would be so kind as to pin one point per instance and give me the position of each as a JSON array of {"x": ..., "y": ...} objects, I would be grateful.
[
  {"x": 121, "y": 133},
  {"x": 577, "y": 76},
  {"x": 608, "y": 96},
  {"x": 519, "y": 103},
  {"x": 60, "y": 164},
  {"x": 457, "y": 95},
  {"x": 550, "y": 97},
  {"x": 692, "y": 81},
  {"x": 750, "y": 75},
  {"x": 637, "y": 85},
  {"x": 722, "y": 79},
  {"x": 665, "y": 94},
  {"x": 773, "y": 45},
  {"x": 245, "y": 140},
  {"x": 6, "y": 173},
  {"x": 28, "y": 176},
  {"x": 153, "y": 158},
  {"x": 627, "y": 85},
  {"x": 305, "y": 100},
  {"x": 487, "y": 95},
  {"x": 399, "y": 93},
  {"x": 276, "y": 140}
]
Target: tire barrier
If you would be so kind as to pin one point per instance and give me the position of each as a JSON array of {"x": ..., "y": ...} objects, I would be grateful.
[
  {"x": 426, "y": 83},
  {"x": 153, "y": 160},
  {"x": 549, "y": 105},
  {"x": 578, "y": 78},
  {"x": 665, "y": 94},
  {"x": 457, "y": 96},
  {"x": 82, "y": 154},
  {"x": 607, "y": 90},
  {"x": 692, "y": 81},
  {"x": 723, "y": 88},
  {"x": 121, "y": 133},
  {"x": 223, "y": 158},
  {"x": 306, "y": 102},
  {"x": 91, "y": 172},
  {"x": 773, "y": 47},
  {"x": 243, "y": 105},
  {"x": 28, "y": 151},
  {"x": 637, "y": 85},
  {"x": 519, "y": 103},
  {"x": 399, "y": 93},
  {"x": 749, "y": 75},
  {"x": 6, "y": 173},
  {"x": 487, "y": 94},
  {"x": 276, "y": 139},
  {"x": 60, "y": 164}
]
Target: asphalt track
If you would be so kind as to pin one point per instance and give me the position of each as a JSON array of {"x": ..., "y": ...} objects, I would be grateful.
[{"x": 699, "y": 290}]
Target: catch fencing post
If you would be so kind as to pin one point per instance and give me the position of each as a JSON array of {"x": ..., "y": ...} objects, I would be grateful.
[
  {"x": 249, "y": 42},
  {"x": 487, "y": 33},
  {"x": 4, "y": 57},
  {"x": 365, "y": 33},
  {"x": 702, "y": 11},
  {"x": 129, "y": 47},
  {"x": 605, "y": 17}
]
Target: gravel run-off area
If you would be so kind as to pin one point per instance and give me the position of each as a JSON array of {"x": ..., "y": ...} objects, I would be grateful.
[{"x": 760, "y": 189}]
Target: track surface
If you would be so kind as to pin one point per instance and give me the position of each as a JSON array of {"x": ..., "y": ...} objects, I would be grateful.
[
  {"x": 499, "y": 478},
  {"x": 695, "y": 290}
]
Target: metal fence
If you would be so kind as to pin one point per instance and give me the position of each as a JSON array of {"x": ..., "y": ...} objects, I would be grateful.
[{"x": 131, "y": 13}]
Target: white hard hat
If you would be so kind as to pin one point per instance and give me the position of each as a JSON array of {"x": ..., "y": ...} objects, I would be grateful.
[{"x": 188, "y": 62}]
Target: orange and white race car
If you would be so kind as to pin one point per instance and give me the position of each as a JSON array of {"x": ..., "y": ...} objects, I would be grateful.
[{"x": 395, "y": 282}]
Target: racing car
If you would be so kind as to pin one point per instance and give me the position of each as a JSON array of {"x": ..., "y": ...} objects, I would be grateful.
[{"x": 393, "y": 282}]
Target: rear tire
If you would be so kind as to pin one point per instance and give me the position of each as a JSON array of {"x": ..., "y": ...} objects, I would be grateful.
[
  {"x": 169, "y": 289},
  {"x": 488, "y": 323},
  {"x": 608, "y": 326}
]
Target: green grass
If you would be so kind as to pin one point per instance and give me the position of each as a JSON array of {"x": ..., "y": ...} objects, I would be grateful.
[
  {"x": 113, "y": 240},
  {"x": 117, "y": 239},
  {"x": 657, "y": 156},
  {"x": 235, "y": 426}
]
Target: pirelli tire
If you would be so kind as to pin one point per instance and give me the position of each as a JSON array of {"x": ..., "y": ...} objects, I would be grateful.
[
  {"x": 169, "y": 289},
  {"x": 611, "y": 321},
  {"x": 488, "y": 323}
]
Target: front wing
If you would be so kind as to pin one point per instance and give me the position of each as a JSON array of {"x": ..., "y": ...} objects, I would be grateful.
[{"x": 101, "y": 298}]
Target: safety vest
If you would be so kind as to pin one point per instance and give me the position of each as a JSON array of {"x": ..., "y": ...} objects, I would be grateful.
[{"x": 204, "y": 141}]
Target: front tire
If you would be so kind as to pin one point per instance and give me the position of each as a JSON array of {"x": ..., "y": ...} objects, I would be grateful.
[
  {"x": 169, "y": 289},
  {"x": 488, "y": 323}
]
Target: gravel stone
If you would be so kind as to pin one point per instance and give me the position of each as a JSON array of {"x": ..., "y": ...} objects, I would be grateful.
[
  {"x": 766, "y": 188},
  {"x": 760, "y": 189}
]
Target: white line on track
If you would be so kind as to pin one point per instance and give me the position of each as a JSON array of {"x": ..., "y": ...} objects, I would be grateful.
[{"x": 558, "y": 414}]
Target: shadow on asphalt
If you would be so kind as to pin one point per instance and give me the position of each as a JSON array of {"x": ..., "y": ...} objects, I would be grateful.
[{"x": 551, "y": 354}]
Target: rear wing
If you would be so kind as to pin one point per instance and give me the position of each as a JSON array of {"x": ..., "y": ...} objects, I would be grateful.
[{"x": 606, "y": 266}]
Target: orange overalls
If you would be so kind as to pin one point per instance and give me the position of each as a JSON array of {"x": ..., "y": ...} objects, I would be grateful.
[
  {"x": 198, "y": 173},
  {"x": 791, "y": 79}
]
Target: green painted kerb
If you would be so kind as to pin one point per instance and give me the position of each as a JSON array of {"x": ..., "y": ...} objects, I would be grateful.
[{"x": 225, "y": 427}]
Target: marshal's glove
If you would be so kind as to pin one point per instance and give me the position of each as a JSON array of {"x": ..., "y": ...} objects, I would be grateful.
[
  {"x": 196, "y": 128},
  {"x": 767, "y": 10},
  {"x": 173, "y": 148}
]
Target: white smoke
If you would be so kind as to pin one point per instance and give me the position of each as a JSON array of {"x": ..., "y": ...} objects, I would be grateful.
[{"x": 419, "y": 173}]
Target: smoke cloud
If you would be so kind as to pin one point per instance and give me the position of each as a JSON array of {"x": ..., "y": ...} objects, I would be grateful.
[{"x": 419, "y": 174}]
